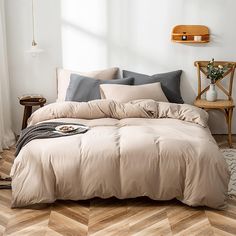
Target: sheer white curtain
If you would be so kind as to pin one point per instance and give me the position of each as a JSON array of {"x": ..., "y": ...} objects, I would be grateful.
[{"x": 7, "y": 137}]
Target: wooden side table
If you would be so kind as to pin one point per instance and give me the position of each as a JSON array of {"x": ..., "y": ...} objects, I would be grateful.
[{"x": 28, "y": 103}]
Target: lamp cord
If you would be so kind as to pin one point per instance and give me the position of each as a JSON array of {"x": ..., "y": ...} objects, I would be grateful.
[{"x": 33, "y": 26}]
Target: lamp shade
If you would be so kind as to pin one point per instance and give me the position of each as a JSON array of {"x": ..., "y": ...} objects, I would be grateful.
[{"x": 34, "y": 50}]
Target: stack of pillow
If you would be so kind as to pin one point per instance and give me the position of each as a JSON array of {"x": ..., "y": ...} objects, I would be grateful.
[{"x": 106, "y": 84}]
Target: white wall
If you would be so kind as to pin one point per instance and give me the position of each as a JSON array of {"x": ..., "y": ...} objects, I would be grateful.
[
  {"x": 27, "y": 74},
  {"x": 132, "y": 34}
]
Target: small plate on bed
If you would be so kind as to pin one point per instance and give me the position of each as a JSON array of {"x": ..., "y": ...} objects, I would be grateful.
[{"x": 71, "y": 128}]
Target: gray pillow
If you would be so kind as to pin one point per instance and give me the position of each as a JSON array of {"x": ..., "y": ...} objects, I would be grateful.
[
  {"x": 84, "y": 89},
  {"x": 170, "y": 83}
]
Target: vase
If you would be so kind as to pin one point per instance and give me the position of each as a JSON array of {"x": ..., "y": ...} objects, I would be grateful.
[{"x": 211, "y": 94}]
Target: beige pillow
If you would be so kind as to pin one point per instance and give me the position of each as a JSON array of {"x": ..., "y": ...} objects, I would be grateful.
[
  {"x": 63, "y": 79},
  {"x": 127, "y": 93}
]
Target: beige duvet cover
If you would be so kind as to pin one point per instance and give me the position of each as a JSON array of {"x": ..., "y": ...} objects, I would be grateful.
[{"x": 142, "y": 148}]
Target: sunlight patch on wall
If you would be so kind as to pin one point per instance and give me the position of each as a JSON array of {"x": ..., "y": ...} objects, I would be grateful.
[{"x": 84, "y": 34}]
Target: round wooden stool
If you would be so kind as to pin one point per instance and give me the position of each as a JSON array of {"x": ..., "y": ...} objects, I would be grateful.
[{"x": 28, "y": 103}]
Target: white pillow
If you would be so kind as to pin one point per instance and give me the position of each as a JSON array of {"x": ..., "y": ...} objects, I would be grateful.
[
  {"x": 127, "y": 93},
  {"x": 63, "y": 79}
]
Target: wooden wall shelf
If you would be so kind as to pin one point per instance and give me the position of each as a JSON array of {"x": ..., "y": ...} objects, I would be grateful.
[{"x": 190, "y": 34}]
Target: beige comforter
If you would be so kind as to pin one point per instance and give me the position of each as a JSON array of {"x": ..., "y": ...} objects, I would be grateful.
[{"x": 142, "y": 148}]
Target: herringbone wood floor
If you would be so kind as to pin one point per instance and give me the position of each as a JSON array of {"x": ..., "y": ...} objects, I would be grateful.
[{"x": 112, "y": 217}]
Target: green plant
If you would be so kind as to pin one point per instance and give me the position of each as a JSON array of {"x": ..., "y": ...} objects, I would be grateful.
[{"x": 214, "y": 72}]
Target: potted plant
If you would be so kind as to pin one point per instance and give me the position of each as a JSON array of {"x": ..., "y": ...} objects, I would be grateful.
[{"x": 214, "y": 73}]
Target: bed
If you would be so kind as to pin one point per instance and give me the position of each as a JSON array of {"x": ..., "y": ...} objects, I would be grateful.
[{"x": 140, "y": 148}]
